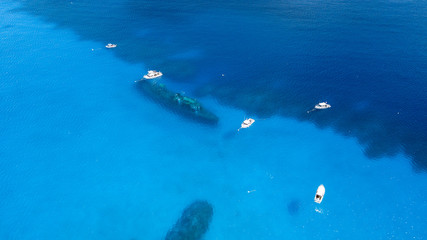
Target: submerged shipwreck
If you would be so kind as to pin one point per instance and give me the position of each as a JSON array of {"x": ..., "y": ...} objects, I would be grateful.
[{"x": 179, "y": 103}]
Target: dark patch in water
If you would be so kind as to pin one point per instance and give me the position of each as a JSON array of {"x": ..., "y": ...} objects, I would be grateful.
[
  {"x": 293, "y": 207},
  {"x": 193, "y": 223},
  {"x": 383, "y": 134},
  {"x": 230, "y": 134},
  {"x": 180, "y": 104}
]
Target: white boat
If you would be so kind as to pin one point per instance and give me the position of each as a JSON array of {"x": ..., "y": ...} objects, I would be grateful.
[
  {"x": 110, "y": 45},
  {"x": 322, "y": 105},
  {"x": 319, "y": 194},
  {"x": 247, "y": 123},
  {"x": 153, "y": 74}
]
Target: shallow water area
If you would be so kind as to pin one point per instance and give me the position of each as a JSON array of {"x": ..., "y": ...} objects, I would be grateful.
[{"x": 86, "y": 156}]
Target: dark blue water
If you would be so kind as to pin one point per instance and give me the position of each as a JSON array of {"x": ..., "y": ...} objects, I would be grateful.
[{"x": 85, "y": 155}]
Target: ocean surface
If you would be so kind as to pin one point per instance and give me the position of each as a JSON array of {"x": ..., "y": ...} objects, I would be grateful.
[{"x": 84, "y": 154}]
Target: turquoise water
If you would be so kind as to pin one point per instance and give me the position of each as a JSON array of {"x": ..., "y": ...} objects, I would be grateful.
[{"x": 84, "y": 155}]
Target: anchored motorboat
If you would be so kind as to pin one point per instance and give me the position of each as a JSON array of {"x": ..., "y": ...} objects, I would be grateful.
[
  {"x": 319, "y": 194},
  {"x": 322, "y": 105},
  {"x": 153, "y": 74},
  {"x": 110, "y": 45},
  {"x": 247, "y": 123}
]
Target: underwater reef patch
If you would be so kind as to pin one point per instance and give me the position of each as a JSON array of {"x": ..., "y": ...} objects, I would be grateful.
[{"x": 193, "y": 223}]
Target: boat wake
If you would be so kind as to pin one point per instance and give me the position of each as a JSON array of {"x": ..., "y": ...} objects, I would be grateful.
[
  {"x": 311, "y": 110},
  {"x": 318, "y": 210}
]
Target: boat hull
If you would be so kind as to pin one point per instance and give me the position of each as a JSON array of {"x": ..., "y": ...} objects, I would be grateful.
[
  {"x": 321, "y": 107},
  {"x": 318, "y": 198},
  {"x": 153, "y": 77},
  {"x": 247, "y": 123}
]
